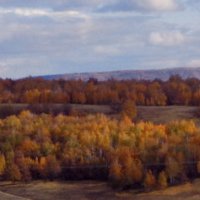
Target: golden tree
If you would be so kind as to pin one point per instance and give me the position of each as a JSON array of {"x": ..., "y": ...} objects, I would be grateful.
[{"x": 162, "y": 180}]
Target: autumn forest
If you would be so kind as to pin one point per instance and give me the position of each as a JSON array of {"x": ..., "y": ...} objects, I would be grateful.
[
  {"x": 175, "y": 91},
  {"x": 118, "y": 150},
  {"x": 96, "y": 147}
]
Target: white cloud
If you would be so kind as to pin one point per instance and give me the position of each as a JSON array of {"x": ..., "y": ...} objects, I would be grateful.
[
  {"x": 166, "y": 38},
  {"x": 27, "y": 12},
  {"x": 158, "y": 5},
  {"x": 194, "y": 63},
  {"x": 31, "y": 12},
  {"x": 70, "y": 13},
  {"x": 66, "y": 36}
]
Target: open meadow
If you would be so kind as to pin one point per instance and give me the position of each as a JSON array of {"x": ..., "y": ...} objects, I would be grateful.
[
  {"x": 165, "y": 114},
  {"x": 155, "y": 114},
  {"x": 90, "y": 190}
]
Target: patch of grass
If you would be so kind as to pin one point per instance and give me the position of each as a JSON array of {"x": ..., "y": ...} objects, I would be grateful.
[
  {"x": 165, "y": 114},
  {"x": 90, "y": 190},
  {"x": 15, "y": 109},
  {"x": 155, "y": 114}
]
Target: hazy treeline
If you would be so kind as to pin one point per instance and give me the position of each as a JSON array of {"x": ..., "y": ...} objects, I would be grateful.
[
  {"x": 175, "y": 91},
  {"x": 97, "y": 147}
]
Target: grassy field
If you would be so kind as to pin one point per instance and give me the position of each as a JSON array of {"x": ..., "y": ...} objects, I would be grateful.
[
  {"x": 95, "y": 191},
  {"x": 11, "y": 109},
  {"x": 156, "y": 114},
  {"x": 164, "y": 114},
  {"x": 6, "y": 196}
]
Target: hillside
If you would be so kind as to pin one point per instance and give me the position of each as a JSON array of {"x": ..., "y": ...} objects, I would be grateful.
[{"x": 162, "y": 74}]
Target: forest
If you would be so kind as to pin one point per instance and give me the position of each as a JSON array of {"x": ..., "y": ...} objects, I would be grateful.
[
  {"x": 115, "y": 149},
  {"x": 97, "y": 147},
  {"x": 174, "y": 91}
]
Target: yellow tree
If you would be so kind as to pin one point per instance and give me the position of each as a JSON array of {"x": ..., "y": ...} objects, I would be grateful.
[
  {"x": 172, "y": 168},
  {"x": 13, "y": 172},
  {"x": 149, "y": 181},
  {"x": 162, "y": 180},
  {"x": 115, "y": 173},
  {"x": 2, "y": 164}
]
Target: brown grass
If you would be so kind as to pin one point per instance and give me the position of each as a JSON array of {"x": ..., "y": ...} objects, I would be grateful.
[
  {"x": 164, "y": 114},
  {"x": 90, "y": 190},
  {"x": 6, "y": 196},
  {"x": 155, "y": 114}
]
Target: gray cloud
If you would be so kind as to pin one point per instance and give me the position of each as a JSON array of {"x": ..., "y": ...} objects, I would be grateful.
[
  {"x": 47, "y": 37},
  {"x": 141, "y": 5},
  {"x": 101, "y": 5}
]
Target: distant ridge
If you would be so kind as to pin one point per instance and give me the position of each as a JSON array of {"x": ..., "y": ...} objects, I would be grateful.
[{"x": 162, "y": 74}]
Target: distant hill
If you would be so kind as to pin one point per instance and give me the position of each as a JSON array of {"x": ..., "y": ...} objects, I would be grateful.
[{"x": 162, "y": 74}]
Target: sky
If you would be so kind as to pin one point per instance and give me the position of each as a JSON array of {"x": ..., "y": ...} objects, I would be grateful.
[{"x": 40, "y": 37}]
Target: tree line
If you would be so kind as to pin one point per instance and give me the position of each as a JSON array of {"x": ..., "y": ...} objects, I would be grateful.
[
  {"x": 174, "y": 91},
  {"x": 96, "y": 147}
]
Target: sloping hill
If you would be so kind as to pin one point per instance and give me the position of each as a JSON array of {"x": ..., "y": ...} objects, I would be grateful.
[{"x": 162, "y": 74}]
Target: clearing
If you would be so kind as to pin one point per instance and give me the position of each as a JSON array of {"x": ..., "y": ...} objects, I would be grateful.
[
  {"x": 155, "y": 114},
  {"x": 92, "y": 190},
  {"x": 164, "y": 114}
]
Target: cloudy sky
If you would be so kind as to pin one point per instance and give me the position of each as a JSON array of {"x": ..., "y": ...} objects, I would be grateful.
[{"x": 40, "y": 37}]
